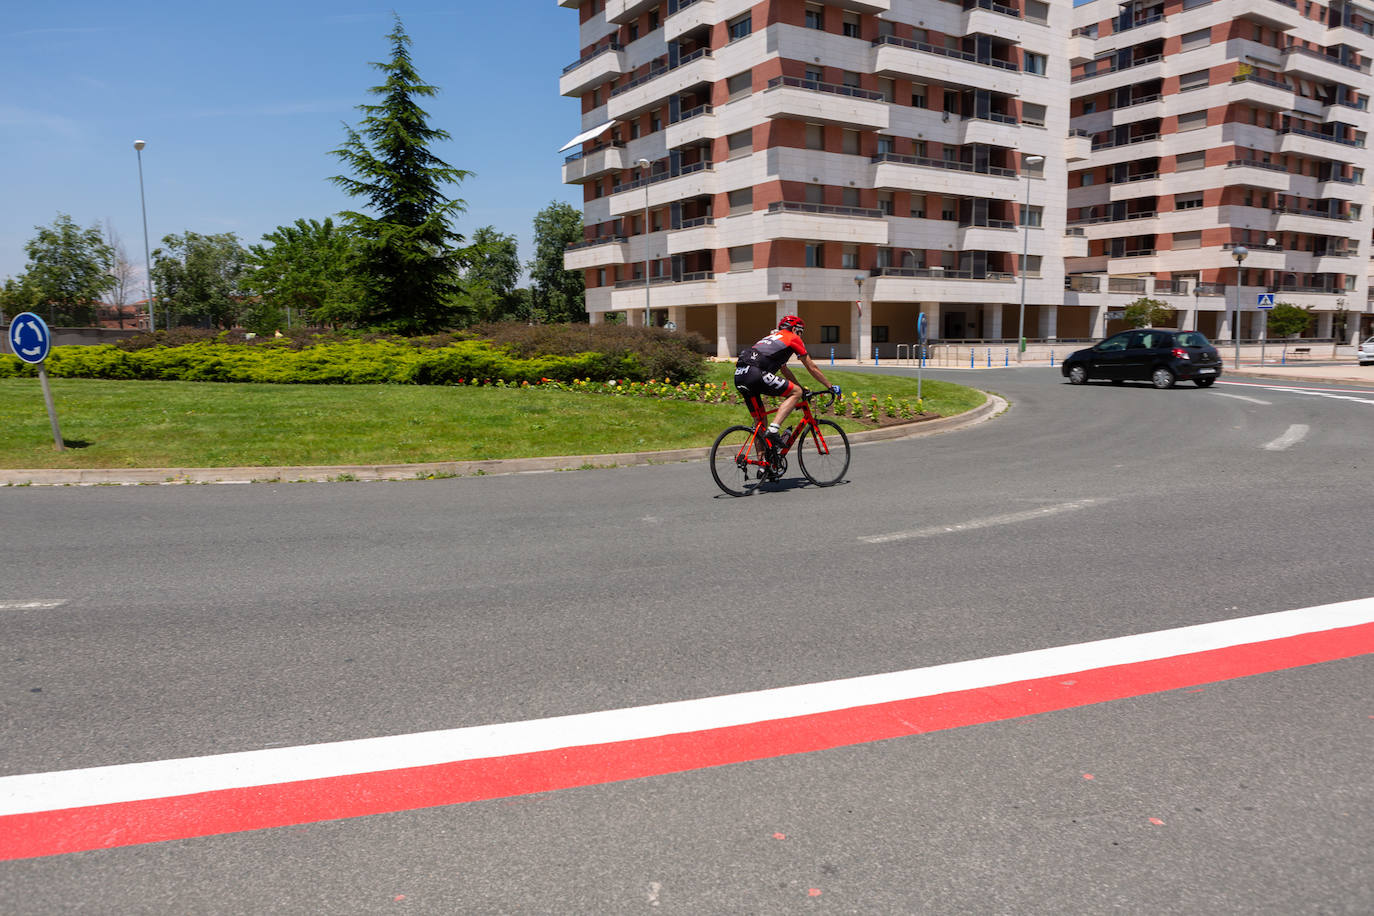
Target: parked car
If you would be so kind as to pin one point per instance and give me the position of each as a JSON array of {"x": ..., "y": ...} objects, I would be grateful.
[
  {"x": 1366, "y": 352},
  {"x": 1161, "y": 356}
]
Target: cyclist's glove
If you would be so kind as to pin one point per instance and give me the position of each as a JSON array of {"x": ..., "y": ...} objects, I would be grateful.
[{"x": 835, "y": 390}]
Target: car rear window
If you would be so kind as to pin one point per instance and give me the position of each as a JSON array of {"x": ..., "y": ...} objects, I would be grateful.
[{"x": 1192, "y": 339}]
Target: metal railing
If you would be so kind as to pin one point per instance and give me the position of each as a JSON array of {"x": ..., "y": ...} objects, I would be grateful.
[
  {"x": 610, "y": 46},
  {"x": 592, "y": 243},
  {"x": 796, "y": 82},
  {"x": 923, "y": 162},
  {"x": 792, "y": 206},
  {"x": 944, "y": 52}
]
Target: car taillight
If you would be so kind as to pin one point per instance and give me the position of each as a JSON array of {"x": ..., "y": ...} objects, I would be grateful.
[{"x": 1180, "y": 353}]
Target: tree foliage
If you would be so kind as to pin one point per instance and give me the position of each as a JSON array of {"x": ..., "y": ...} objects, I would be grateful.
[
  {"x": 556, "y": 294},
  {"x": 1286, "y": 319},
  {"x": 1148, "y": 313},
  {"x": 305, "y": 273},
  {"x": 408, "y": 255},
  {"x": 198, "y": 280},
  {"x": 492, "y": 270},
  {"x": 68, "y": 271}
]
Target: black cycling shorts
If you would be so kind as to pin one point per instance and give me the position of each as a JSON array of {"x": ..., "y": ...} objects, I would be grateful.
[{"x": 753, "y": 380}]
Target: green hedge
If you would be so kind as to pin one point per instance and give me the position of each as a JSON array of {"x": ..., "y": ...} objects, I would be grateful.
[{"x": 343, "y": 363}]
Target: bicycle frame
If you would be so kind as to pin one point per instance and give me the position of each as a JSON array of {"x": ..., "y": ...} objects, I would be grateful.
[{"x": 761, "y": 415}]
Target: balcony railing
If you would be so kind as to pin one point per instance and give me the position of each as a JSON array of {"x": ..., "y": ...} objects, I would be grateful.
[
  {"x": 1109, "y": 144},
  {"x": 663, "y": 176},
  {"x": 660, "y": 70},
  {"x": 694, "y": 223},
  {"x": 1125, "y": 285},
  {"x": 663, "y": 281},
  {"x": 1256, "y": 164},
  {"x": 793, "y": 206},
  {"x": 944, "y": 52},
  {"x": 610, "y": 46},
  {"x": 1319, "y": 136},
  {"x": 795, "y": 82},
  {"x": 991, "y": 116},
  {"x": 941, "y": 273},
  {"x": 1117, "y": 68},
  {"x": 612, "y": 144},
  {"x": 993, "y": 6},
  {"x": 944, "y": 164},
  {"x": 1305, "y": 211},
  {"x": 1144, "y": 214},
  {"x": 1363, "y": 67},
  {"x": 1083, "y": 284},
  {"x": 592, "y": 243},
  {"x": 693, "y": 113},
  {"x": 1209, "y": 289},
  {"x": 988, "y": 224}
]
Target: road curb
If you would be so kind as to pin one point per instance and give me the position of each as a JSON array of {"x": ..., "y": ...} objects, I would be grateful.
[{"x": 24, "y": 477}]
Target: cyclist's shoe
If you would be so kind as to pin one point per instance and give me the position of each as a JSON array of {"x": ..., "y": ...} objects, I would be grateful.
[{"x": 775, "y": 440}]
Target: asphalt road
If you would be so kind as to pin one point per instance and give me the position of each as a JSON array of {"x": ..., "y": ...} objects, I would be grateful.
[{"x": 200, "y": 620}]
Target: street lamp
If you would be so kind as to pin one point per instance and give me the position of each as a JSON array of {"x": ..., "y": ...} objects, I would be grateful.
[
  {"x": 147, "y": 261},
  {"x": 1025, "y": 251},
  {"x": 645, "y": 164},
  {"x": 1239, "y": 253}
]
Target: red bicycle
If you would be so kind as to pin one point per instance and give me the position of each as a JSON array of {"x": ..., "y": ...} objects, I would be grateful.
[{"x": 742, "y": 458}]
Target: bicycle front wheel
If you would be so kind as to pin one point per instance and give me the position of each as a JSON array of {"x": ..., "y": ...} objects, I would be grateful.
[
  {"x": 823, "y": 453},
  {"x": 737, "y": 461}
]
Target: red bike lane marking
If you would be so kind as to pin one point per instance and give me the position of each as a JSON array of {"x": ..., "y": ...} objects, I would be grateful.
[{"x": 34, "y": 823}]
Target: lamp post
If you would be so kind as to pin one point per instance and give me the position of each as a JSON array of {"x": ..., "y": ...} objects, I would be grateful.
[
  {"x": 1239, "y": 253},
  {"x": 1025, "y": 251},
  {"x": 147, "y": 261},
  {"x": 645, "y": 165}
]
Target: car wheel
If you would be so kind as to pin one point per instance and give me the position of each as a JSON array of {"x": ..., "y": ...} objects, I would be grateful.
[
  {"x": 1203, "y": 382},
  {"x": 1078, "y": 374},
  {"x": 1162, "y": 378}
]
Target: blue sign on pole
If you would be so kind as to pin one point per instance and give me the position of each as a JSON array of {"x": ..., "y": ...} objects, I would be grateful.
[
  {"x": 29, "y": 337},
  {"x": 1264, "y": 300},
  {"x": 921, "y": 326}
]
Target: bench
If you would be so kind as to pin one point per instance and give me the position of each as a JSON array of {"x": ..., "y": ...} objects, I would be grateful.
[{"x": 1302, "y": 351}]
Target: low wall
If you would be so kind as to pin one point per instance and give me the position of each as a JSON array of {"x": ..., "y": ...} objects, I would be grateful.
[{"x": 69, "y": 337}]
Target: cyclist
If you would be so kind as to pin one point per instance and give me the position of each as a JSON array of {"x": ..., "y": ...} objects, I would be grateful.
[{"x": 756, "y": 371}]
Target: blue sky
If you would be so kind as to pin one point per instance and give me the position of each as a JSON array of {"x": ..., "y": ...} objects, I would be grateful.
[{"x": 241, "y": 104}]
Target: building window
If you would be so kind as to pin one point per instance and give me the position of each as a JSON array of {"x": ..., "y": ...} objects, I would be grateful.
[
  {"x": 1198, "y": 79},
  {"x": 851, "y": 79},
  {"x": 918, "y": 95},
  {"x": 884, "y": 257},
  {"x": 742, "y": 257},
  {"x": 739, "y": 85},
  {"x": 1193, "y": 120},
  {"x": 1033, "y": 217},
  {"x": 849, "y": 257},
  {"x": 815, "y": 136},
  {"x": 851, "y": 25},
  {"x": 849, "y": 142},
  {"x": 1032, "y": 114},
  {"x": 1199, "y": 39},
  {"x": 884, "y": 145},
  {"x": 740, "y": 144},
  {"x": 1188, "y": 239},
  {"x": 741, "y": 201},
  {"x": 741, "y": 27},
  {"x": 888, "y": 87},
  {"x": 815, "y": 17},
  {"x": 1036, "y": 63},
  {"x": 1188, "y": 201},
  {"x": 850, "y": 197},
  {"x": 918, "y": 206},
  {"x": 815, "y": 254},
  {"x": 1187, "y": 162},
  {"x": 815, "y": 194},
  {"x": 880, "y": 333},
  {"x": 1030, "y": 265},
  {"x": 830, "y": 333},
  {"x": 885, "y": 202}
]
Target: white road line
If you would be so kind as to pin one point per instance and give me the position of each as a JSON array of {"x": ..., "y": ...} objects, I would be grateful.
[
  {"x": 1241, "y": 397},
  {"x": 1295, "y": 434},
  {"x": 103, "y": 785},
  {"x": 30, "y": 605},
  {"x": 1011, "y": 518}
]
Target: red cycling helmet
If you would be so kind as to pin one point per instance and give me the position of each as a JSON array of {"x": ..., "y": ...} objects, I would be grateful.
[{"x": 792, "y": 323}]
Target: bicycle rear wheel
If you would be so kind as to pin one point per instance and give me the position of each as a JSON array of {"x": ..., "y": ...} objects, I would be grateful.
[
  {"x": 824, "y": 458},
  {"x": 735, "y": 461}
]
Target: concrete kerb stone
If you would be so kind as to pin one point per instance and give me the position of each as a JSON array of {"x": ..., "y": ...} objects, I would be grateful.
[{"x": 21, "y": 477}]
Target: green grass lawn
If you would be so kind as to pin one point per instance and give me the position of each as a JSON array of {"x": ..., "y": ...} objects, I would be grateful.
[{"x": 114, "y": 424}]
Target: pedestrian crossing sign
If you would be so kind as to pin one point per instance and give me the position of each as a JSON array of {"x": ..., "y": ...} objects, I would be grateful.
[{"x": 1265, "y": 300}]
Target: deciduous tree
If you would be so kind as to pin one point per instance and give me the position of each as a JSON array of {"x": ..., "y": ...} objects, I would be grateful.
[
  {"x": 68, "y": 271},
  {"x": 557, "y": 294},
  {"x": 198, "y": 279},
  {"x": 1286, "y": 319},
  {"x": 490, "y": 277},
  {"x": 306, "y": 268},
  {"x": 1148, "y": 313}
]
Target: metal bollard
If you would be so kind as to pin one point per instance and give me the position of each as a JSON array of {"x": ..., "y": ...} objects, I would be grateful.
[
  {"x": 1006, "y": 357},
  {"x": 832, "y": 356},
  {"x": 1051, "y": 358},
  {"x": 989, "y": 357},
  {"x": 971, "y": 357},
  {"x": 875, "y": 356}
]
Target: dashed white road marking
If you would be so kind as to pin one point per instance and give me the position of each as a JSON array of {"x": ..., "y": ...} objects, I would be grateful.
[
  {"x": 1010, "y": 518},
  {"x": 1241, "y": 397},
  {"x": 1292, "y": 436},
  {"x": 11, "y": 605}
]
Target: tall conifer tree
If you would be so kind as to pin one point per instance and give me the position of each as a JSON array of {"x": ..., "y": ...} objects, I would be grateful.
[{"x": 409, "y": 255}]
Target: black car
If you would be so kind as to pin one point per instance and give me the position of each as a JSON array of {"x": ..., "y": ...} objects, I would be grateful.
[{"x": 1161, "y": 356}]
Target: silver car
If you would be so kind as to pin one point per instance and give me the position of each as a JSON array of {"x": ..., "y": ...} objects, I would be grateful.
[{"x": 1366, "y": 352}]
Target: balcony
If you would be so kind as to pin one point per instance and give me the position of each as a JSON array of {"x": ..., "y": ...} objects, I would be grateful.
[
  {"x": 695, "y": 180},
  {"x": 691, "y": 127},
  {"x": 822, "y": 222},
  {"x": 1257, "y": 174},
  {"x": 693, "y": 235},
  {"x": 903, "y": 57},
  {"x": 941, "y": 176},
  {"x": 1312, "y": 143},
  {"x": 1320, "y": 66},
  {"x": 1096, "y": 70},
  {"x": 625, "y": 11},
  {"x": 595, "y": 162},
  {"x": 991, "y": 129},
  {"x": 601, "y": 252},
  {"x": 688, "y": 15},
  {"x": 599, "y": 67},
  {"x": 1262, "y": 91},
  {"x": 808, "y": 100},
  {"x": 649, "y": 90}
]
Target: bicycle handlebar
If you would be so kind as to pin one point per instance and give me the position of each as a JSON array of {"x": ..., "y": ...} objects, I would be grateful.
[{"x": 812, "y": 395}]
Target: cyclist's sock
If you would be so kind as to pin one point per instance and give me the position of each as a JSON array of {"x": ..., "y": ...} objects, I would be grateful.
[{"x": 773, "y": 429}]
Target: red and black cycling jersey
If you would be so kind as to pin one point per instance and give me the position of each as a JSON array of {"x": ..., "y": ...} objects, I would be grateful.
[{"x": 773, "y": 352}]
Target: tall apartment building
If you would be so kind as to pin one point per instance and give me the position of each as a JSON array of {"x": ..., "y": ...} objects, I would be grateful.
[{"x": 862, "y": 162}]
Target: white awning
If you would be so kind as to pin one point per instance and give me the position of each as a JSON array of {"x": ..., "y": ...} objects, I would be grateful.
[{"x": 585, "y": 136}]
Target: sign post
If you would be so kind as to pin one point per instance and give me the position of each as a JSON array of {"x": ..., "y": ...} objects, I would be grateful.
[
  {"x": 31, "y": 342},
  {"x": 920, "y": 342},
  {"x": 1264, "y": 302}
]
